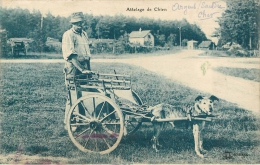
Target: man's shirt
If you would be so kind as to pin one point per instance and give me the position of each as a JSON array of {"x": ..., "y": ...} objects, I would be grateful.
[{"x": 75, "y": 43}]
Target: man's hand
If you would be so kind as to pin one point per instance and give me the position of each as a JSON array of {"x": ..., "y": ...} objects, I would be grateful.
[{"x": 87, "y": 72}]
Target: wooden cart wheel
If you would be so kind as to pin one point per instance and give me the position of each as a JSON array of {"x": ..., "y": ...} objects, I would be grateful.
[
  {"x": 95, "y": 124},
  {"x": 133, "y": 124}
]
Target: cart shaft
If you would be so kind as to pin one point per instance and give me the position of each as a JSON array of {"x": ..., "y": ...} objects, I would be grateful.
[{"x": 183, "y": 118}]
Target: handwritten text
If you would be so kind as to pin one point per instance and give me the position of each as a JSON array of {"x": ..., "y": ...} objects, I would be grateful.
[{"x": 204, "y": 10}]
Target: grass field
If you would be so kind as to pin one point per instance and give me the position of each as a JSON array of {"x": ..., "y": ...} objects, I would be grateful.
[
  {"x": 37, "y": 55},
  {"x": 249, "y": 74},
  {"x": 224, "y": 53},
  {"x": 33, "y": 99}
]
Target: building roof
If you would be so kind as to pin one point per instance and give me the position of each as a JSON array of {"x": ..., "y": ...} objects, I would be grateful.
[
  {"x": 205, "y": 44},
  {"x": 21, "y": 40},
  {"x": 2, "y": 30},
  {"x": 193, "y": 41},
  {"x": 139, "y": 34},
  {"x": 49, "y": 39}
]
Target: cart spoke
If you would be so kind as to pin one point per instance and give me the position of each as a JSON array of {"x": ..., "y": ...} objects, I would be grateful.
[
  {"x": 101, "y": 110},
  {"x": 114, "y": 128},
  {"x": 107, "y": 116},
  {"x": 85, "y": 108},
  {"x": 96, "y": 141},
  {"x": 106, "y": 143},
  {"x": 79, "y": 124},
  {"x": 112, "y": 134},
  {"x": 84, "y": 117},
  {"x": 107, "y": 130},
  {"x": 94, "y": 106},
  {"x": 88, "y": 138},
  {"x": 82, "y": 132}
]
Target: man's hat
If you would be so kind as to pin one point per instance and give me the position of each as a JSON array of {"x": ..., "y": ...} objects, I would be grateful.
[{"x": 76, "y": 17}]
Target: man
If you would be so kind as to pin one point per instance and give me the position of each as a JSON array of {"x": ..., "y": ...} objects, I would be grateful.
[
  {"x": 75, "y": 47},
  {"x": 76, "y": 53}
]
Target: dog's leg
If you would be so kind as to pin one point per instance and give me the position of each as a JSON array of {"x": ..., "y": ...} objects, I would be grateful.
[
  {"x": 196, "y": 134},
  {"x": 201, "y": 144},
  {"x": 201, "y": 138},
  {"x": 155, "y": 140},
  {"x": 162, "y": 128}
]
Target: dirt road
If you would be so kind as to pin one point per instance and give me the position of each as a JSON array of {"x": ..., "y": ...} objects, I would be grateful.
[
  {"x": 186, "y": 67},
  {"x": 197, "y": 72}
]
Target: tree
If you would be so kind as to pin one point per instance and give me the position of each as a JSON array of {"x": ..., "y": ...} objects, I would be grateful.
[
  {"x": 171, "y": 39},
  {"x": 184, "y": 42},
  {"x": 240, "y": 22},
  {"x": 103, "y": 27},
  {"x": 23, "y": 23},
  {"x": 160, "y": 39}
]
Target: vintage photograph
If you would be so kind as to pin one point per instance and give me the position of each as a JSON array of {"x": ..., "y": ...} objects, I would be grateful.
[{"x": 129, "y": 82}]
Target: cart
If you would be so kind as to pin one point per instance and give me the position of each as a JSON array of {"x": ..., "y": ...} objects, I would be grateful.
[
  {"x": 105, "y": 110},
  {"x": 19, "y": 45}
]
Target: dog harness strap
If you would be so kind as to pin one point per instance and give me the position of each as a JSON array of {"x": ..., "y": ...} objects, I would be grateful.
[{"x": 189, "y": 116}]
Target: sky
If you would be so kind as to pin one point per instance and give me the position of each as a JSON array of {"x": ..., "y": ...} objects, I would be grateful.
[{"x": 203, "y": 13}]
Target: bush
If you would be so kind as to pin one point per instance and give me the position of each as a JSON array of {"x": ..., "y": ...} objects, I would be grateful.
[
  {"x": 52, "y": 48},
  {"x": 101, "y": 47},
  {"x": 254, "y": 53},
  {"x": 237, "y": 50},
  {"x": 119, "y": 48},
  {"x": 34, "y": 47}
]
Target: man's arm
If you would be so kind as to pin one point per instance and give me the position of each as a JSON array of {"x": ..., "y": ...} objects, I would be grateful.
[{"x": 73, "y": 59}]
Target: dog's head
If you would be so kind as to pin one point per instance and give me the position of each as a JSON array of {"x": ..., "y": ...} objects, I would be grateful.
[{"x": 205, "y": 104}]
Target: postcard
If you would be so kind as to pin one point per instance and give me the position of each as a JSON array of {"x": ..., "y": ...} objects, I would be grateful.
[{"x": 129, "y": 82}]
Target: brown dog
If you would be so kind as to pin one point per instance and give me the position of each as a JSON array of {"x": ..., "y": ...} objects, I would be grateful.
[{"x": 202, "y": 106}]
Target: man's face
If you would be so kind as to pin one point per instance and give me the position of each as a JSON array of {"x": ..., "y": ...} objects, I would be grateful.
[{"x": 78, "y": 26}]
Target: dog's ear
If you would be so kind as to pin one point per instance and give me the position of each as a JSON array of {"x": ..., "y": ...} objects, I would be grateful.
[
  {"x": 199, "y": 98},
  {"x": 213, "y": 98}
]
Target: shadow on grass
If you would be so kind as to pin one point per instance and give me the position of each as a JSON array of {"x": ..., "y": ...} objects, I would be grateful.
[
  {"x": 37, "y": 149},
  {"x": 183, "y": 139}
]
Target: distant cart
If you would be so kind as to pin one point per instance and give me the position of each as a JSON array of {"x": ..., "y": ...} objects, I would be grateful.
[
  {"x": 103, "y": 109},
  {"x": 19, "y": 45}
]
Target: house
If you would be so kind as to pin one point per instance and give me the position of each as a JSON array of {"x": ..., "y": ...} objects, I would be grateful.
[
  {"x": 229, "y": 45},
  {"x": 143, "y": 37},
  {"x": 207, "y": 45},
  {"x": 192, "y": 44}
]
